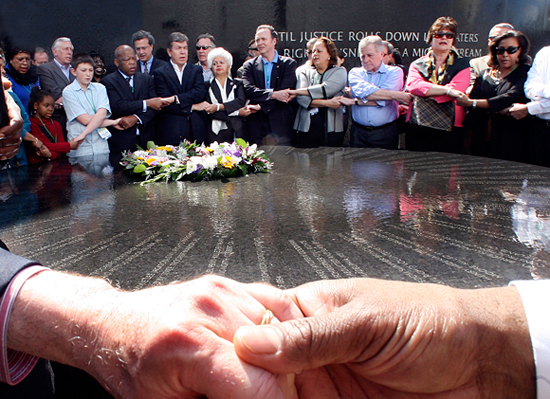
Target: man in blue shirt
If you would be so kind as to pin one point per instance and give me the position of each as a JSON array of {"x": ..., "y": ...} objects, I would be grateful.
[
  {"x": 267, "y": 79},
  {"x": 376, "y": 90}
]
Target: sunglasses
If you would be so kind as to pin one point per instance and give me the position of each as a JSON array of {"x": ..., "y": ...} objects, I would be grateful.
[
  {"x": 448, "y": 35},
  {"x": 203, "y": 47},
  {"x": 509, "y": 50}
]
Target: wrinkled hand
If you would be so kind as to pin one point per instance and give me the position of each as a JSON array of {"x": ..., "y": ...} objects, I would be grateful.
[
  {"x": 10, "y": 139},
  {"x": 126, "y": 122},
  {"x": 283, "y": 95},
  {"x": 210, "y": 109},
  {"x": 158, "y": 103},
  {"x": 334, "y": 102},
  {"x": 346, "y": 100},
  {"x": 200, "y": 106},
  {"x": 403, "y": 97},
  {"x": 456, "y": 93},
  {"x": 519, "y": 111},
  {"x": 176, "y": 341},
  {"x": 463, "y": 100},
  {"x": 366, "y": 338}
]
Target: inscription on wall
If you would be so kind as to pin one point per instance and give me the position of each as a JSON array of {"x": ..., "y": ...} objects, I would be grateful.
[{"x": 411, "y": 45}]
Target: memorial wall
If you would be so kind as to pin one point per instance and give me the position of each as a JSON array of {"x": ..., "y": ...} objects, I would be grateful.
[{"x": 103, "y": 24}]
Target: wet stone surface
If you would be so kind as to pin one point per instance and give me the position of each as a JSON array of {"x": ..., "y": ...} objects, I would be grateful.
[{"x": 320, "y": 214}]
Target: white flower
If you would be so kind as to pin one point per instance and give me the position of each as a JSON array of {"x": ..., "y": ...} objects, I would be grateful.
[
  {"x": 141, "y": 154},
  {"x": 193, "y": 164},
  {"x": 209, "y": 163}
]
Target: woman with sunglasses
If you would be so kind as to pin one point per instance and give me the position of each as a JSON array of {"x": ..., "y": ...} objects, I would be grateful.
[
  {"x": 444, "y": 76},
  {"x": 495, "y": 132}
]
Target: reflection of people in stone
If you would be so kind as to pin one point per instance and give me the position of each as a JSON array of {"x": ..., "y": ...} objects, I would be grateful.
[
  {"x": 319, "y": 120},
  {"x": 443, "y": 75},
  {"x": 495, "y": 132},
  {"x": 376, "y": 91}
]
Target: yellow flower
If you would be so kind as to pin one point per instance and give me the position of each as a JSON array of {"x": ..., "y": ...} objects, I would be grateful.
[
  {"x": 167, "y": 149},
  {"x": 150, "y": 160},
  {"x": 227, "y": 162},
  {"x": 140, "y": 158}
]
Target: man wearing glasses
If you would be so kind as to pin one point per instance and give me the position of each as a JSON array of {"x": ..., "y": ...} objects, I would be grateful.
[{"x": 205, "y": 43}]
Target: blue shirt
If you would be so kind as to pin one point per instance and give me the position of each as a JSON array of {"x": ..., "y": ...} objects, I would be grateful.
[
  {"x": 268, "y": 68},
  {"x": 76, "y": 103},
  {"x": 363, "y": 84}
]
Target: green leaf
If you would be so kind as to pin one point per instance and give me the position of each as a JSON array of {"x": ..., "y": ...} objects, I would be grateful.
[
  {"x": 243, "y": 169},
  {"x": 242, "y": 143},
  {"x": 139, "y": 168},
  {"x": 151, "y": 145}
]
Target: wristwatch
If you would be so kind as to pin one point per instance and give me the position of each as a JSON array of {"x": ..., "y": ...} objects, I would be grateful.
[{"x": 474, "y": 104}]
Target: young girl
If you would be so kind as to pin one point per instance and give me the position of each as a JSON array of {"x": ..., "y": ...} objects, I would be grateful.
[{"x": 45, "y": 129}]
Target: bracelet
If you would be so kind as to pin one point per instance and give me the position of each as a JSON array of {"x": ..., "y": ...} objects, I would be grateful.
[
  {"x": 356, "y": 101},
  {"x": 448, "y": 90},
  {"x": 474, "y": 104},
  {"x": 217, "y": 107}
]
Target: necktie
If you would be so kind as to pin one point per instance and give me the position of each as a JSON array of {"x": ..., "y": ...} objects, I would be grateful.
[
  {"x": 145, "y": 70},
  {"x": 129, "y": 81}
]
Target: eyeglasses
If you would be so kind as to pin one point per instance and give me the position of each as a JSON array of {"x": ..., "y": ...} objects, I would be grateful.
[
  {"x": 509, "y": 50},
  {"x": 440, "y": 35},
  {"x": 309, "y": 51},
  {"x": 253, "y": 49},
  {"x": 203, "y": 47}
]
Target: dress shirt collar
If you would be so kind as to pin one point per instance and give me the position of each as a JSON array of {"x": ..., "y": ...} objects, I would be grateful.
[
  {"x": 382, "y": 69},
  {"x": 275, "y": 59},
  {"x": 126, "y": 78},
  {"x": 177, "y": 70},
  {"x": 66, "y": 70}
]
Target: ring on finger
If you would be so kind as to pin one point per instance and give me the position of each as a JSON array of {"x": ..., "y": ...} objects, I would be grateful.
[{"x": 268, "y": 316}]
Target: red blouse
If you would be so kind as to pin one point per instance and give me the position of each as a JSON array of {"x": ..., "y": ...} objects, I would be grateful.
[{"x": 51, "y": 134}]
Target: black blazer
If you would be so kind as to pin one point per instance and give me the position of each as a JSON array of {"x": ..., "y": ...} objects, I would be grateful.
[
  {"x": 279, "y": 114},
  {"x": 124, "y": 102},
  {"x": 157, "y": 63},
  {"x": 236, "y": 123},
  {"x": 176, "y": 121}
]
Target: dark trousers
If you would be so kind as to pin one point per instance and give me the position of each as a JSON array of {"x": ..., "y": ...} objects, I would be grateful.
[
  {"x": 421, "y": 138},
  {"x": 385, "y": 136},
  {"x": 539, "y": 142}
]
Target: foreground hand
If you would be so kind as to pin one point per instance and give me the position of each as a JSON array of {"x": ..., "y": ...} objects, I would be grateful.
[
  {"x": 463, "y": 100},
  {"x": 334, "y": 102},
  {"x": 519, "y": 111},
  {"x": 75, "y": 144},
  {"x": 200, "y": 106},
  {"x": 10, "y": 138},
  {"x": 456, "y": 93},
  {"x": 403, "y": 97},
  {"x": 210, "y": 109},
  {"x": 41, "y": 149},
  {"x": 169, "y": 342},
  {"x": 366, "y": 338}
]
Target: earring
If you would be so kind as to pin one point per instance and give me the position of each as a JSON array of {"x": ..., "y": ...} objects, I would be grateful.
[{"x": 329, "y": 58}]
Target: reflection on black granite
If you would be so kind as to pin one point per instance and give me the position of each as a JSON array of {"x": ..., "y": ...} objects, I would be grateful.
[{"x": 323, "y": 213}]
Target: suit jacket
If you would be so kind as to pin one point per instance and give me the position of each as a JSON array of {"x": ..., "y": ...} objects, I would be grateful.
[
  {"x": 157, "y": 63},
  {"x": 52, "y": 79},
  {"x": 126, "y": 102},
  {"x": 176, "y": 121},
  {"x": 279, "y": 115},
  {"x": 235, "y": 123}
]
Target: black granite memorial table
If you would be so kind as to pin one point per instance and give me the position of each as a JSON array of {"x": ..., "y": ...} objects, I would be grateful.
[{"x": 320, "y": 214}]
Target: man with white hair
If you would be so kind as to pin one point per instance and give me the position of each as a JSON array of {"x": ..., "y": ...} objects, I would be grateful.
[
  {"x": 56, "y": 75},
  {"x": 376, "y": 91}
]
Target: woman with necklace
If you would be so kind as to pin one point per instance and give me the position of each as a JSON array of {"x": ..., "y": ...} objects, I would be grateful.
[
  {"x": 45, "y": 129},
  {"x": 319, "y": 119},
  {"x": 495, "y": 133},
  {"x": 21, "y": 73},
  {"x": 441, "y": 75}
]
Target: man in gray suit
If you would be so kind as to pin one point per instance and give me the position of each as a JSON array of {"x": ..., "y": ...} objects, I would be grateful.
[{"x": 55, "y": 75}]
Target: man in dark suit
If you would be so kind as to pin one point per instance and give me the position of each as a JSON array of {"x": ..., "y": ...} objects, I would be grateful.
[
  {"x": 267, "y": 79},
  {"x": 55, "y": 75},
  {"x": 133, "y": 98},
  {"x": 183, "y": 83},
  {"x": 144, "y": 43}
]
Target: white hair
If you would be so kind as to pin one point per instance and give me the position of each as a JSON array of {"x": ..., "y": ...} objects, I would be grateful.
[
  {"x": 373, "y": 39},
  {"x": 58, "y": 41},
  {"x": 219, "y": 52}
]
